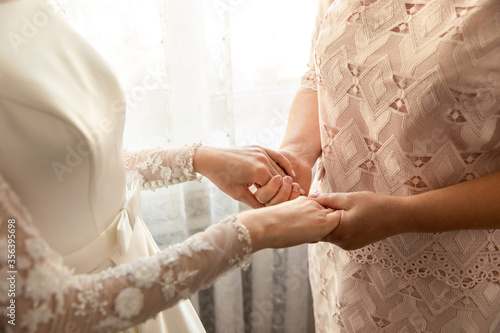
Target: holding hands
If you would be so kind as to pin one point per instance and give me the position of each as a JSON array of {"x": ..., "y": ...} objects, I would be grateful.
[
  {"x": 292, "y": 223},
  {"x": 235, "y": 170},
  {"x": 349, "y": 220},
  {"x": 273, "y": 194},
  {"x": 364, "y": 217}
]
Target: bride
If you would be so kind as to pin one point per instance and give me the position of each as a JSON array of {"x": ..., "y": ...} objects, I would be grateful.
[{"x": 79, "y": 257}]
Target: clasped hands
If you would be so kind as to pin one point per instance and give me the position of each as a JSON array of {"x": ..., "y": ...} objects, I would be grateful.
[
  {"x": 351, "y": 220},
  {"x": 272, "y": 173}
]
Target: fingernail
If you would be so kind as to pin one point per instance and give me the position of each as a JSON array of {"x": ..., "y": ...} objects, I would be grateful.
[
  {"x": 294, "y": 174},
  {"x": 295, "y": 187},
  {"x": 278, "y": 179},
  {"x": 313, "y": 195},
  {"x": 288, "y": 180},
  {"x": 302, "y": 192}
]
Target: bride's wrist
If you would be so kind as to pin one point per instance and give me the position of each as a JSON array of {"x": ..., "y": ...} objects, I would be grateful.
[
  {"x": 201, "y": 160},
  {"x": 256, "y": 227}
]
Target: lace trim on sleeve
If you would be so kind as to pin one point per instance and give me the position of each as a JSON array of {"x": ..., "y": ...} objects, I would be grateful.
[
  {"x": 243, "y": 236},
  {"x": 50, "y": 298},
  {"x": 160, "y": 167},
  {"x": 308, "y": 80}
]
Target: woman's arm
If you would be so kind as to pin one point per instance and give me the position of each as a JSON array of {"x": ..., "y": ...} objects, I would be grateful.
[
  {"x": 233, "y": 170},
  {"x": 367, "y": 217},
  {"x": 46, "y": 296},
  {"x": 474, "y": 204},
  {"x": 302, "y": 136},
  {"x": 301, "y": 144},
  {"x": 302, "y": 141}
]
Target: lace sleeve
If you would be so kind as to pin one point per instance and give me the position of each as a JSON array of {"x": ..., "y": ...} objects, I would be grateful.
[
  {"x": 309, "y": 79},
  {"x": 160, "y": 167},
  {"x": 39, "y": 294}
]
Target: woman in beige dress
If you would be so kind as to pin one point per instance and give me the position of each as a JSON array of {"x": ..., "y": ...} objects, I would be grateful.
[{"x": 401, "y": 107}]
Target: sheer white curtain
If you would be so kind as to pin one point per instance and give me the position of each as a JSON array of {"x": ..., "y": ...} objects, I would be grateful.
[{"x": 222, "y": 72}]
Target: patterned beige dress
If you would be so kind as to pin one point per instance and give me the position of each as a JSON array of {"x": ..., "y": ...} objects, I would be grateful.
[{"x": 408, "y": 102}]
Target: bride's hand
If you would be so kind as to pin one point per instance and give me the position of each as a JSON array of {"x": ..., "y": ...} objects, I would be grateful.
[
  {"x": 291, "y": 223},
  {"x": 234, "y": 170}
]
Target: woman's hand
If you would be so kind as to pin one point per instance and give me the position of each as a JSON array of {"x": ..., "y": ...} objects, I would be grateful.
[
  {"x": 234, "y": 170},
  {"x": 301, "y": 144},
  {"x": 364, "y": 218},
  {"x": 275, "y": 193},
  {"x": 302, "y": 169},
  {"x": 278, "y": 190},
  {"x": 292, "y": 223},
  {"x": 368, "y": 217}
]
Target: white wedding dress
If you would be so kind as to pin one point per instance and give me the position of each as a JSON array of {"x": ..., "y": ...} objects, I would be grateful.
[{"x": 63, "y": 199}]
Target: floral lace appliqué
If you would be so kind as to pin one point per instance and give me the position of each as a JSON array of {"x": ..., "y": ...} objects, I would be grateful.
[
  {"x": 160, "y": 167},
  {"x": 119, "y": 297}
]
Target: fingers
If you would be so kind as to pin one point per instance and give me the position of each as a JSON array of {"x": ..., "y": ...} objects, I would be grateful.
[
  {"x": 268, "y": 191},
  {"x": 276, "y": 168},
  {"x": 284, "y": 192},
  {"x": 248, "y": 198},
  {"x": 281, "y": 162},
  {"x": 271, "y": 163},
  {"x": 331, "y": 200},
  {"x": 278, "y": 190},
  {"x": 264, "y": 171},
  {"x": 296, "y": 192},
  {"x": 333, "y": 219}
]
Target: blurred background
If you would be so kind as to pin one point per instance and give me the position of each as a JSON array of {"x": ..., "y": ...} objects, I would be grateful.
[{"x": 220, "y": 72}]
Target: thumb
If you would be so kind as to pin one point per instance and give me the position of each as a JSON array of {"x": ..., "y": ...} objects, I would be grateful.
[
  {"x": 330, "y": 200},
  {"x": 333, "y": 219},
  {"x": 245, "y": 196}
]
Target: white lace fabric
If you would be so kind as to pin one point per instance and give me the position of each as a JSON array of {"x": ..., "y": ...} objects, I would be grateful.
[
  {"x": 48, "y": 297},
  {"x": 408, "y": 99},
  {"x": 160, "y": 167}
]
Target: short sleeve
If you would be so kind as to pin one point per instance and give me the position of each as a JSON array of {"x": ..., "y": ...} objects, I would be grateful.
[{"x": 309, "y": 79}]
